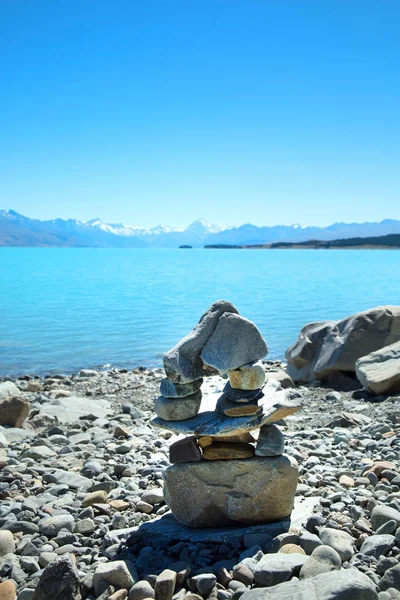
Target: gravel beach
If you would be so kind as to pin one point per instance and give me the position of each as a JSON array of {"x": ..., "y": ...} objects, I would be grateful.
[{"x": 86, "y": 469}]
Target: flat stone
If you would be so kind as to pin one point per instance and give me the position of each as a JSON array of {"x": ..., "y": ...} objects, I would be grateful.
[
  {"x": 72, "y": 480},
  {"x": 13, "y": 411},
  {"x": 273, "y": 569},
  {"x": 186, "y": 450},
  {"x": 346, "y": 584},
  {"x": 182, "y": 363},
  {"x": 71, "y": 409},
  {"x": 270, "y": 441},
  {"x": 50, "y": 526},
  {"x": 274, "y": 408},
  {"x": 247, "y": 378},
  {"x": 250, "y": 491},
  {"x": 236, "y": 409},
  {"x": 378, "y": 545},
  {"x": 379, "y": 372},
  {"x": 169, "y": 389},
  {"x": 178, "y": 409},
  {"x": 99, "y": 497},
  {"x": 382, "y": 514},
  {"x": 227, "y": 451},
  {"x": 235, "y": 342},
  {"x": 39, "y": 453},
  {"x": 235, "y": 395}
]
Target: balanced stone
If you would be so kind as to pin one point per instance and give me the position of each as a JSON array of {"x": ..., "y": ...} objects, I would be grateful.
[
  {"x": 241, "y": 438},
  {"x": 215, "y": 424},
  {"x": 178, "y": 409},
  {"x": 270, "y": 441},
  {"x": 241, "y": 395},
  {"x": 249, "y": 377},
  {"x": 169, "y": 389},
  {"x": 235, "y": 342},
  {"x": 236, "y": 409},
  {"x": 227, "y": 451},
  {"x": 259, "y": 490},
  {"x": 182, "y": 363},
  {"x": 186, "y": 450}
]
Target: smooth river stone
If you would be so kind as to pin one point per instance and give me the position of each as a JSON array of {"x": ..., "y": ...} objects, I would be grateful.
[
  {"x": 245, "y": 438},
  {"x": 169, "y": 389},
  {"x": 250, "y": 491},
  {"x": 247, "y": 378},
  {"x": 182, "y": 363},
  {"x": 228, "y": 451},
  {"x": 241, "y": 395},
  {"x": 178, "y": 409},
  {"x": 236, "y": 409},
  {"x": 278, "y": 406},
  {"x": 235, "y": 342}
]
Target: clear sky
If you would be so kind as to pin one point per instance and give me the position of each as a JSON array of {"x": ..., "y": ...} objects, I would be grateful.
[{"x": 164, "y": 111}]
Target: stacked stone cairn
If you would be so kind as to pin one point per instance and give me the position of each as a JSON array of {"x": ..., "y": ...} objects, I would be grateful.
[{"x": 221, "y": 475}]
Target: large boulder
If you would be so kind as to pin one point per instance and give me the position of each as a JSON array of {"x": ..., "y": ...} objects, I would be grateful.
[
  {"x": 346, "y": 584},
  {"x": 13, "y": 411},
  {"x": 379, "y": 372},
  {"x": 329, "y": 347},
  {"x": 59, "y": 581},
  {"x": 182, "y": 363},
  {"x": 8, "y": 388},
  {"x": 216, "y": 493}
]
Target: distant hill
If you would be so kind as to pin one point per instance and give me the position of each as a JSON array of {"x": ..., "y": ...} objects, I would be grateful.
[
  {"x": 383, "y": 241},
  {"x": 18, "y": 230}
]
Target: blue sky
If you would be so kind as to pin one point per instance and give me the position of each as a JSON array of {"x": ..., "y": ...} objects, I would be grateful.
[{"x": 163, "y": 111}]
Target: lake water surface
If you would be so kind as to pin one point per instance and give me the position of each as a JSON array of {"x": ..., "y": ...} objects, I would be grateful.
[{"x": 66, "y": 309}]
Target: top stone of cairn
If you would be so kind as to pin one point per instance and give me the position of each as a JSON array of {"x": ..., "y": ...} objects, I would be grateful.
[{"x": 221, "y": 341}]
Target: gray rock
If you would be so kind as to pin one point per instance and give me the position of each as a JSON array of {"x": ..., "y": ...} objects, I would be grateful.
[
  {"x": 388, "y": 527},
  {"x": 275, "y": 407},
  {"x": 72, "y": 480},
  {"x": 153, "y": 496},
  {"x": 118, "y": 573},
  {"x": 391, "y": 579},
  {"x": 235, "y": 395},
  {"x": 323, "y": 560},
  {"x": 183, "y": 363},
  {"x": 378, "y": 545},
  {"x": 178, "y": 409},
  {"x": 8, "y": 388},
  {"x": 59, "y": 581},
  {"x": 281, "y": 377},
  {"x": 273, "y": 569},
  {"x": 13, "y": 410},
  {"x": 169, "y": 389},
  {"x": 339, "y": 540},
  {"x": 39, "y": 453},
  {"x": 165, "y": 585},
  {"x": 50, "y": 526},
  {"x": 346, "y": 584},
  {"x": 334, "y": 346},
  {"x": 7, "y": 543},
  {"x": 379, "y": 372},
  {"x": 204, "y": 583},
  {"x": 270, "y": 442},
  {"x": 253, "y": 491},
  {"x": 381, "y": 514},
  {"x": 141, "y": 590},
  {"x": 235, "y": 342},
  {"x": 309, "y": 542}
]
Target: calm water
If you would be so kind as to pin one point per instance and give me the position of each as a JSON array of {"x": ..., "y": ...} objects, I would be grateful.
[{"x": 65, "y": 309}]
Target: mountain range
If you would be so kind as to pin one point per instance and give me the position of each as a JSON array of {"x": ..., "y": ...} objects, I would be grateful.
[{"x": 18, "y": 230}]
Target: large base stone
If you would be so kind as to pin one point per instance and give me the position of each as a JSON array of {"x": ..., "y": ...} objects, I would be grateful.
[{"x": 218, "y": 493}]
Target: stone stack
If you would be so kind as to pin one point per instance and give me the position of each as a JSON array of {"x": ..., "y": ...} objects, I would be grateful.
[{"x": 221, "y": 474}]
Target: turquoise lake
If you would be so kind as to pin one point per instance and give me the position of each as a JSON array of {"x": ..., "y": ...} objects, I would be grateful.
[{"x": 66, "y": 309}]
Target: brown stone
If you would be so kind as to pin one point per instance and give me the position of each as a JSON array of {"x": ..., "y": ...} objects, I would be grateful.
[
  {"x": 226, "y": 451},
  {"x": 378, "y": 467},
  {"x": 99, "y": 497},
  {"x": 291, "y": 549},
  {"x": 121, "y": 431},
  {"x": 204, "y": 441},
  {"x": 13, "y": 411},
  {"x": 346, "y": 481},
  {"x": 236, "y": 409},
  {"x": 245, "y": 438},
  {"x": 7, "y": 590},
  {"x": 118, "y": 595},
  {"x": 247, "y": 378},
  {"x": 251, "y": 491},
  {"x": 186, "y": 450},
  {"x": 119, "y": 505}
]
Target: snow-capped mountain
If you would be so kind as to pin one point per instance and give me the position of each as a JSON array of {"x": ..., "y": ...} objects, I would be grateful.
[{"x": 18, "y": 230}]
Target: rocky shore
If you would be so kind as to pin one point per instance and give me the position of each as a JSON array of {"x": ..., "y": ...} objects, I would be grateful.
[{"x": 85, "y": 471}]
